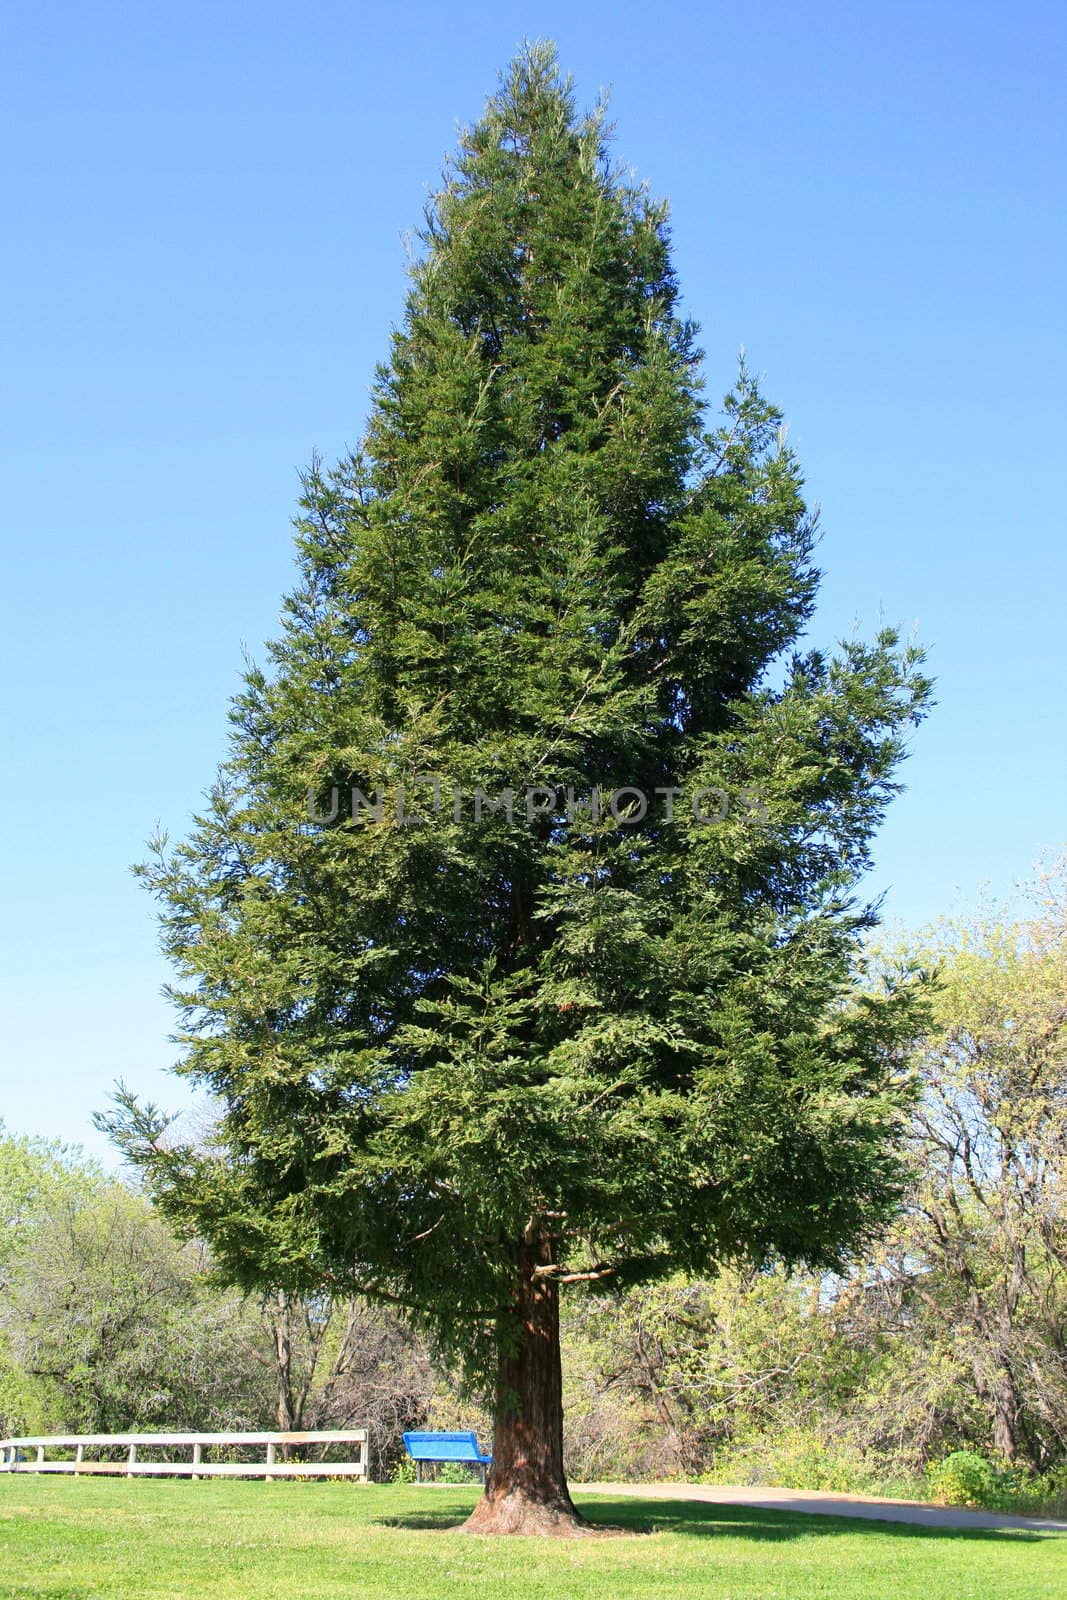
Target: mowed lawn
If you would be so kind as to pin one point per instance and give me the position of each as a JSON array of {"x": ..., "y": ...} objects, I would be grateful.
[{"x": 99, "y": 1540}]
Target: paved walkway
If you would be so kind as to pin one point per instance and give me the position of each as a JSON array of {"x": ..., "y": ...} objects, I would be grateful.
[{"x": 823, "y": 1503}]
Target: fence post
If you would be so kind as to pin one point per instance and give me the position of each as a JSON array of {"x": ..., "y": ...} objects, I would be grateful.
[
  {"x": 131, "y": 1460},
  {"x": 79, "y": 1456},
  {"x": 40, "y": 1454},
  {"x": 197, "y": 1457},
  {"x": 270, "y": 1460}
]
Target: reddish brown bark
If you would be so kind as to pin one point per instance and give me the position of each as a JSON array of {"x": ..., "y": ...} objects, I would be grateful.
[{"x": 527, "y": 1489}]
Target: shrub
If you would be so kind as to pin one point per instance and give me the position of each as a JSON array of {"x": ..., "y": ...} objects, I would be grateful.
[
  {"x": 966, "y": 1479},
  {"x": 457, "y": 1472},
  {"x": 800, "y": 1458}
]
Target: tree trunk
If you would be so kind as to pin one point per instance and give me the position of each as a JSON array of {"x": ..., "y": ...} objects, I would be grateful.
[
  {"x": 280, "y": 1321},
  {"x": 527, "y": 1490},
  {"x": 1006, "y": 1410}
]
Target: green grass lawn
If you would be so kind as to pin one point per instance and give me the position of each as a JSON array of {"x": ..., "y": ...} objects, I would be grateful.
[{"x": 119, "y": 1540}]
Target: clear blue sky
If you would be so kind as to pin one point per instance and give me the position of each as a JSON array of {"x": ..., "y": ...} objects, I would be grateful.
[{"x": 205, "y": 209}]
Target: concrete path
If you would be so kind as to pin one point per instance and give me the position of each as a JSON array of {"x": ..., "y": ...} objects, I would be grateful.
[{"x": 820, "y": 1502}]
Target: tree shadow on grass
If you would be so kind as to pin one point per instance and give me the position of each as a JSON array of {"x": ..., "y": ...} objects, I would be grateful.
[
  {"x": 704, "y": 1519},
  {"x": 445, "y": 1513}
]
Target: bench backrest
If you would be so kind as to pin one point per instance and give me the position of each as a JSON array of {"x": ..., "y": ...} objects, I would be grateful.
[{"x": 442, "y": 1446}]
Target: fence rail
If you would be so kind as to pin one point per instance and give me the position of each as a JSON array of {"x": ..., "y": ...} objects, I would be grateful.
[{"x": 13, "y": 1457}]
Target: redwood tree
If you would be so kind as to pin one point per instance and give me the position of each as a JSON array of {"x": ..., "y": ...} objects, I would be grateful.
[{"x": 467, "y": 1059}]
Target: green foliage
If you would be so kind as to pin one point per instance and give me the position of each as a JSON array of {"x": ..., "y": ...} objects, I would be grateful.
[
  {"x": 639, "y": 1040},
  {"x": 752, "y": 1378},
  {"x": 34, "y": 1175},
  {"x": 112, "y": 1324},
  {"x": 667, "y": 1377},
  {"x": 456, "y": 1472},
  {"x": 980, "y": 1258},
  {"x": 813, "y": 1457},
  {"x": 965, "y": 1478},
  {"x": 37, "y": 1177}
]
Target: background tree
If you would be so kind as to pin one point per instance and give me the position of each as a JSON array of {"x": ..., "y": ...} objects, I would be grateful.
[
  {"x": 35, "y": 1175},
  {"x": 468, "y": 1062},
  {"x": 116, "y": 1326},
  {"x": 984, "y": 1250},
  {"x": 108, "y": 1324},
  {"x": 342, "y": 1364},
  {"x": 755, "y": 1376}
]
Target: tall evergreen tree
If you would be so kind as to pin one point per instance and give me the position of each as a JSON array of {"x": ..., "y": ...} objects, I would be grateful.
[{"x": 467, "y": 1059}]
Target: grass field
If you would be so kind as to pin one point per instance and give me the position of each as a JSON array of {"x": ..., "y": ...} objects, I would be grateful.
[{"x": 119, "y": 1540}]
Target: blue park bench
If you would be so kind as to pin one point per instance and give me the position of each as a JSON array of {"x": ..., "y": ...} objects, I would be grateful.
[{"x": 445, "y": 1447}]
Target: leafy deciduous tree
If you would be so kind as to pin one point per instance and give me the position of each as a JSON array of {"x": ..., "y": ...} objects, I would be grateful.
[{"x": 984, "y": 1249}]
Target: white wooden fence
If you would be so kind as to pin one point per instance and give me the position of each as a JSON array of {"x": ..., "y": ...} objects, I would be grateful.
[{"x": 15, "y": 1454}]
